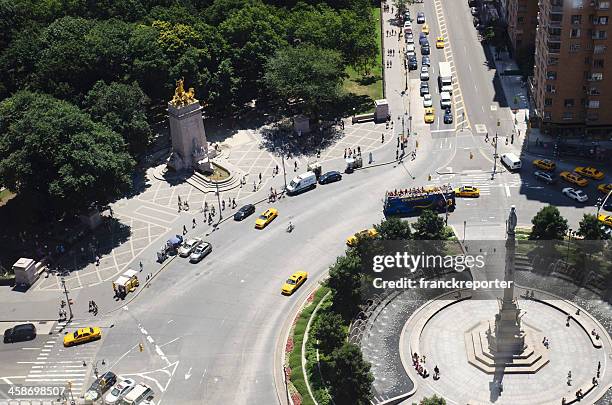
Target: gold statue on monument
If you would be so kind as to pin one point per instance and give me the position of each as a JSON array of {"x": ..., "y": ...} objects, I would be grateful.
[{"x": 181, "y": 97}]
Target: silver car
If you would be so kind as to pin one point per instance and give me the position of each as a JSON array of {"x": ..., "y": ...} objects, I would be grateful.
[
  {"x": 189, "y": 247},
  {"x": 545, "y": 177},
  {"x": 200, "y": 252},
  {"x": 119, "y": 390},
  {"x": 575, "y": 194}
]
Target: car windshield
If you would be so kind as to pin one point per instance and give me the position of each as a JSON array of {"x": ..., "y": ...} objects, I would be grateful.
[
  {"x": 115, "y": 392},
  {"x": 262, "y": 216},
  {"x": 290, "y": 281},
  {"x": 76, "y": 334}
]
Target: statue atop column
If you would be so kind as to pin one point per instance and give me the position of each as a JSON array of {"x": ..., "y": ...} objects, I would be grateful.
[{"x": 189, "y": 146}]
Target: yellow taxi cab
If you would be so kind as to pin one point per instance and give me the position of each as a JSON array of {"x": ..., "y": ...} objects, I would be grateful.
[
  {"x": 366, "y": 233},
  {"x": 467, "y": 191},
  {"x": 294, "y": 282},
  {"x": 605, "y": 219},
  {"x": 573, "y": 178},
  {"x": 590, "y": 172},
  {"x": 425, "y": 29},
  {"x": 605, "y": 188},
  {"x": 82, "y": 335},
  {"x": 264, "y": 219},
  {"x": 429, "y": 115},
  {"x": 545, "y": 164},
  {"x": 440, "y": 42}
]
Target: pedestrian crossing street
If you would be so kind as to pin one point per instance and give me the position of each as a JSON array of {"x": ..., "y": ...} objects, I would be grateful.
[{"x": 58, "y": 365}]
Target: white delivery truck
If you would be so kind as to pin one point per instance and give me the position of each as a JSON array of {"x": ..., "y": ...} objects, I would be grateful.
[
  {"x": 445, "y": 100},
  {"x": 303, "y": 182},
  {"x": 445, "y": 77},
  {"x": 511, "y": 161}
]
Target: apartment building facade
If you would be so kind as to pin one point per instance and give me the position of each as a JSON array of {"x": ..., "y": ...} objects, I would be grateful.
[
  {"x": 572, "y": 82},
  {"x": 522, "y": 20}
]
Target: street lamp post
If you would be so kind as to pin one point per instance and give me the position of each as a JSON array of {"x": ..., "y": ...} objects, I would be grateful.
[
  {"x": 569, "y": 239},
  {"x": 495, "y": 156},
  {"x": 464, "y": 225},
  {"x": 219, "y": 201},
  {"x": 63, "y": 281},
  {"x": 601, "y": 202}
]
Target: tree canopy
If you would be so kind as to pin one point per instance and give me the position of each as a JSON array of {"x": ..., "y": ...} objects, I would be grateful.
[
  {"x": 548, "y": 224},
  {"x": 350, "y": 377},
  {"x": 591, "y": 229},
  {"x": 52, "y": 151},
  {"x": 429, "y": 226}
]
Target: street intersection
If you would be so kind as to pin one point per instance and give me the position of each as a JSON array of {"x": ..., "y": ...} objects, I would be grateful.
[{"x": 210, "y": 331}]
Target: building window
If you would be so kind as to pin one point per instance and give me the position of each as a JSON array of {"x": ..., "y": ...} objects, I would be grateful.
[
  {"x": 575, "y": 33},
  {"x": 600, "y": 20},
  {"x": 552, "y": 60},
  {"x": 550, "y": 88},
  {"x": 576, "y": 19},
  {"x": 596, "y": 76},
  {"x": 574, "y": 47},
  {"x": 577, "y": 3},
  {"x": 520, "y": 20},
  {"x": 599, "y": 49},
  {"x": 548, "y": 102},
  {"x": 594, "y": 91},
  {"x": 551, "y": 75},
  {"x": 593, "y": 103},
  {"x": 592, "y": 116},
  {"x": 600, "y": 34},
  {"x": 547, "y": 116},
  {"x": 568, "y": 103},
  {"x": 587, "y": 60},
  {"x": 598, "y": 63},
  {"x": 604, "y": 5},
  {"x": 568, "y": 115}
]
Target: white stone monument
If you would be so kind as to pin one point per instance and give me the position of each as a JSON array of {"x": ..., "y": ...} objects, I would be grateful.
[{"x": 189, "y": 146}]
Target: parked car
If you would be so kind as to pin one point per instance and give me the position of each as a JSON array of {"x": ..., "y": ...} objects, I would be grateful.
[
  {"x": 189, "y": 246},
  {"x": 476, "y": 21},
  {"x": 425, "y": 61},
  {"x": 420, "y": 17},
  {"x": 545, "y": 177},
  {"x": 200, "y": 252},
  {"x": 409, "y": 38},
  {"x": 474, "y": 11},
  {"x": 244, "y": 212},
  {"x": 575, "y": 194},
  {"x": 119, "y": 390},
  {"x": 330, "y": 177},
  {"x": 20, "y": 333},
  {"x": 100, "y": 386},
  {"x": 424, "y": 89},
  {"x": 424, "y": 73},
  {"x": 425, "y": 50},
  {"x": 427, "y": 101},
  {"x": 412, "y": 63},
  {"x": 423, "y": 42},
  {"x": 448, "y": 116},
  {"x": 429, "y": 115}
]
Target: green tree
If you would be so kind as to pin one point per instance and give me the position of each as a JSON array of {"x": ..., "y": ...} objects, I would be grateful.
[
  {"x": 122, "y": 108},
  {"x": 149, "y": 64},
  {"x": 109, "y": 41},
  {"x": 548, "y": 224},
  {"x": 306, "y": 73},
  {"x": 358, "y": 40},
  {"x": 350, "y": 376},
  {"x": 429, "y": 226},
  {"x": 345, "y": 282},
  {"x": 435, "y": 400},
  {"x": 401, "y": 6},
  {"x": 329, "y": 332},
  {"x": 393, "y": 229},
  {"x": 53, "y": 153},
  {"x": 591, "y": 229}
]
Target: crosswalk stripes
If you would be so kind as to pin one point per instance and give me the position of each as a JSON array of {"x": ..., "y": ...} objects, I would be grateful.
[{"x": 480, "y": 180}]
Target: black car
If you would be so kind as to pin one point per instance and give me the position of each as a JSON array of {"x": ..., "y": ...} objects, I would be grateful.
[
  {"x": 475, "y": 21},
  {"x": 20, "y": 333},
  {"x": 100, "y": 386},
  {"x": 412, "y": 63},
  {"x": 330, "y": 177},
  {"x": 423, "y": 42},
  {"x": 424, "y": 88},
  {"x": 244, "y": 212},
  {"x": 425, "y": 61},
  {"x": 420, "y": 17},
  {"x": 425, "y": 50},
  {"x": 448, "y": 117}
]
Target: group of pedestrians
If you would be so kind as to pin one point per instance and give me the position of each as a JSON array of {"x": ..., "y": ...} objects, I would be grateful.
[
  {"x": 419, "y": 365},
  {"x": 93, "y": 307},
  {"x": 348, "y": 152},
  {"x": 182, "y": 205},
  {"x": 274, "y": 195}
]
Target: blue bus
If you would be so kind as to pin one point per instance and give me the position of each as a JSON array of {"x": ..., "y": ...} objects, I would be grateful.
[{"x": 410, "y": 202}]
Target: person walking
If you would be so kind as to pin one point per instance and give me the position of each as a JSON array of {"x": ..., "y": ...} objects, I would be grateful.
[
  {"x": 223, "y": 205},
  {"x": 382, "y": 138},
  {"x": 141, "y": 266},
  {"x": 193, "y": 223},
  {"x": 233, "y": 203}
]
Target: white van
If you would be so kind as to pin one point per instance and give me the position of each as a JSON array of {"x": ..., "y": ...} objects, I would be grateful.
[
  {"x": 445, "y": 100},
  {"x": 303, "y": 182},
  {"x": 511, "y": 161},
  {"x": 137, "y": 395},
  {"x": 410, "y": 48}
]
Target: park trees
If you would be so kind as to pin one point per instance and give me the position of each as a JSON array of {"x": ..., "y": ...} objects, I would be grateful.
[
  {"x": 350, "y": 376},
  {"x": 591, "y": 229},
  {"x": 345, "y": 283},
  {"x": 394, "y": 229},
  {"x": 429, "y": 226},
  {"x": 307, "y": 74},
  {"x": 548, "y": 224},
  {"x": 329, "y": 332},
  {"x": 52, "y": 152},
  {"x": 122, "y": 108}
]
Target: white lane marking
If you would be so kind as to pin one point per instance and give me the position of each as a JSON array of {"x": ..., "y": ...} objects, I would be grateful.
[
  {"x": 507, "y": 190},
  {"x": 30, "y": 348},
  {"x": 172, "y": 341}
]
